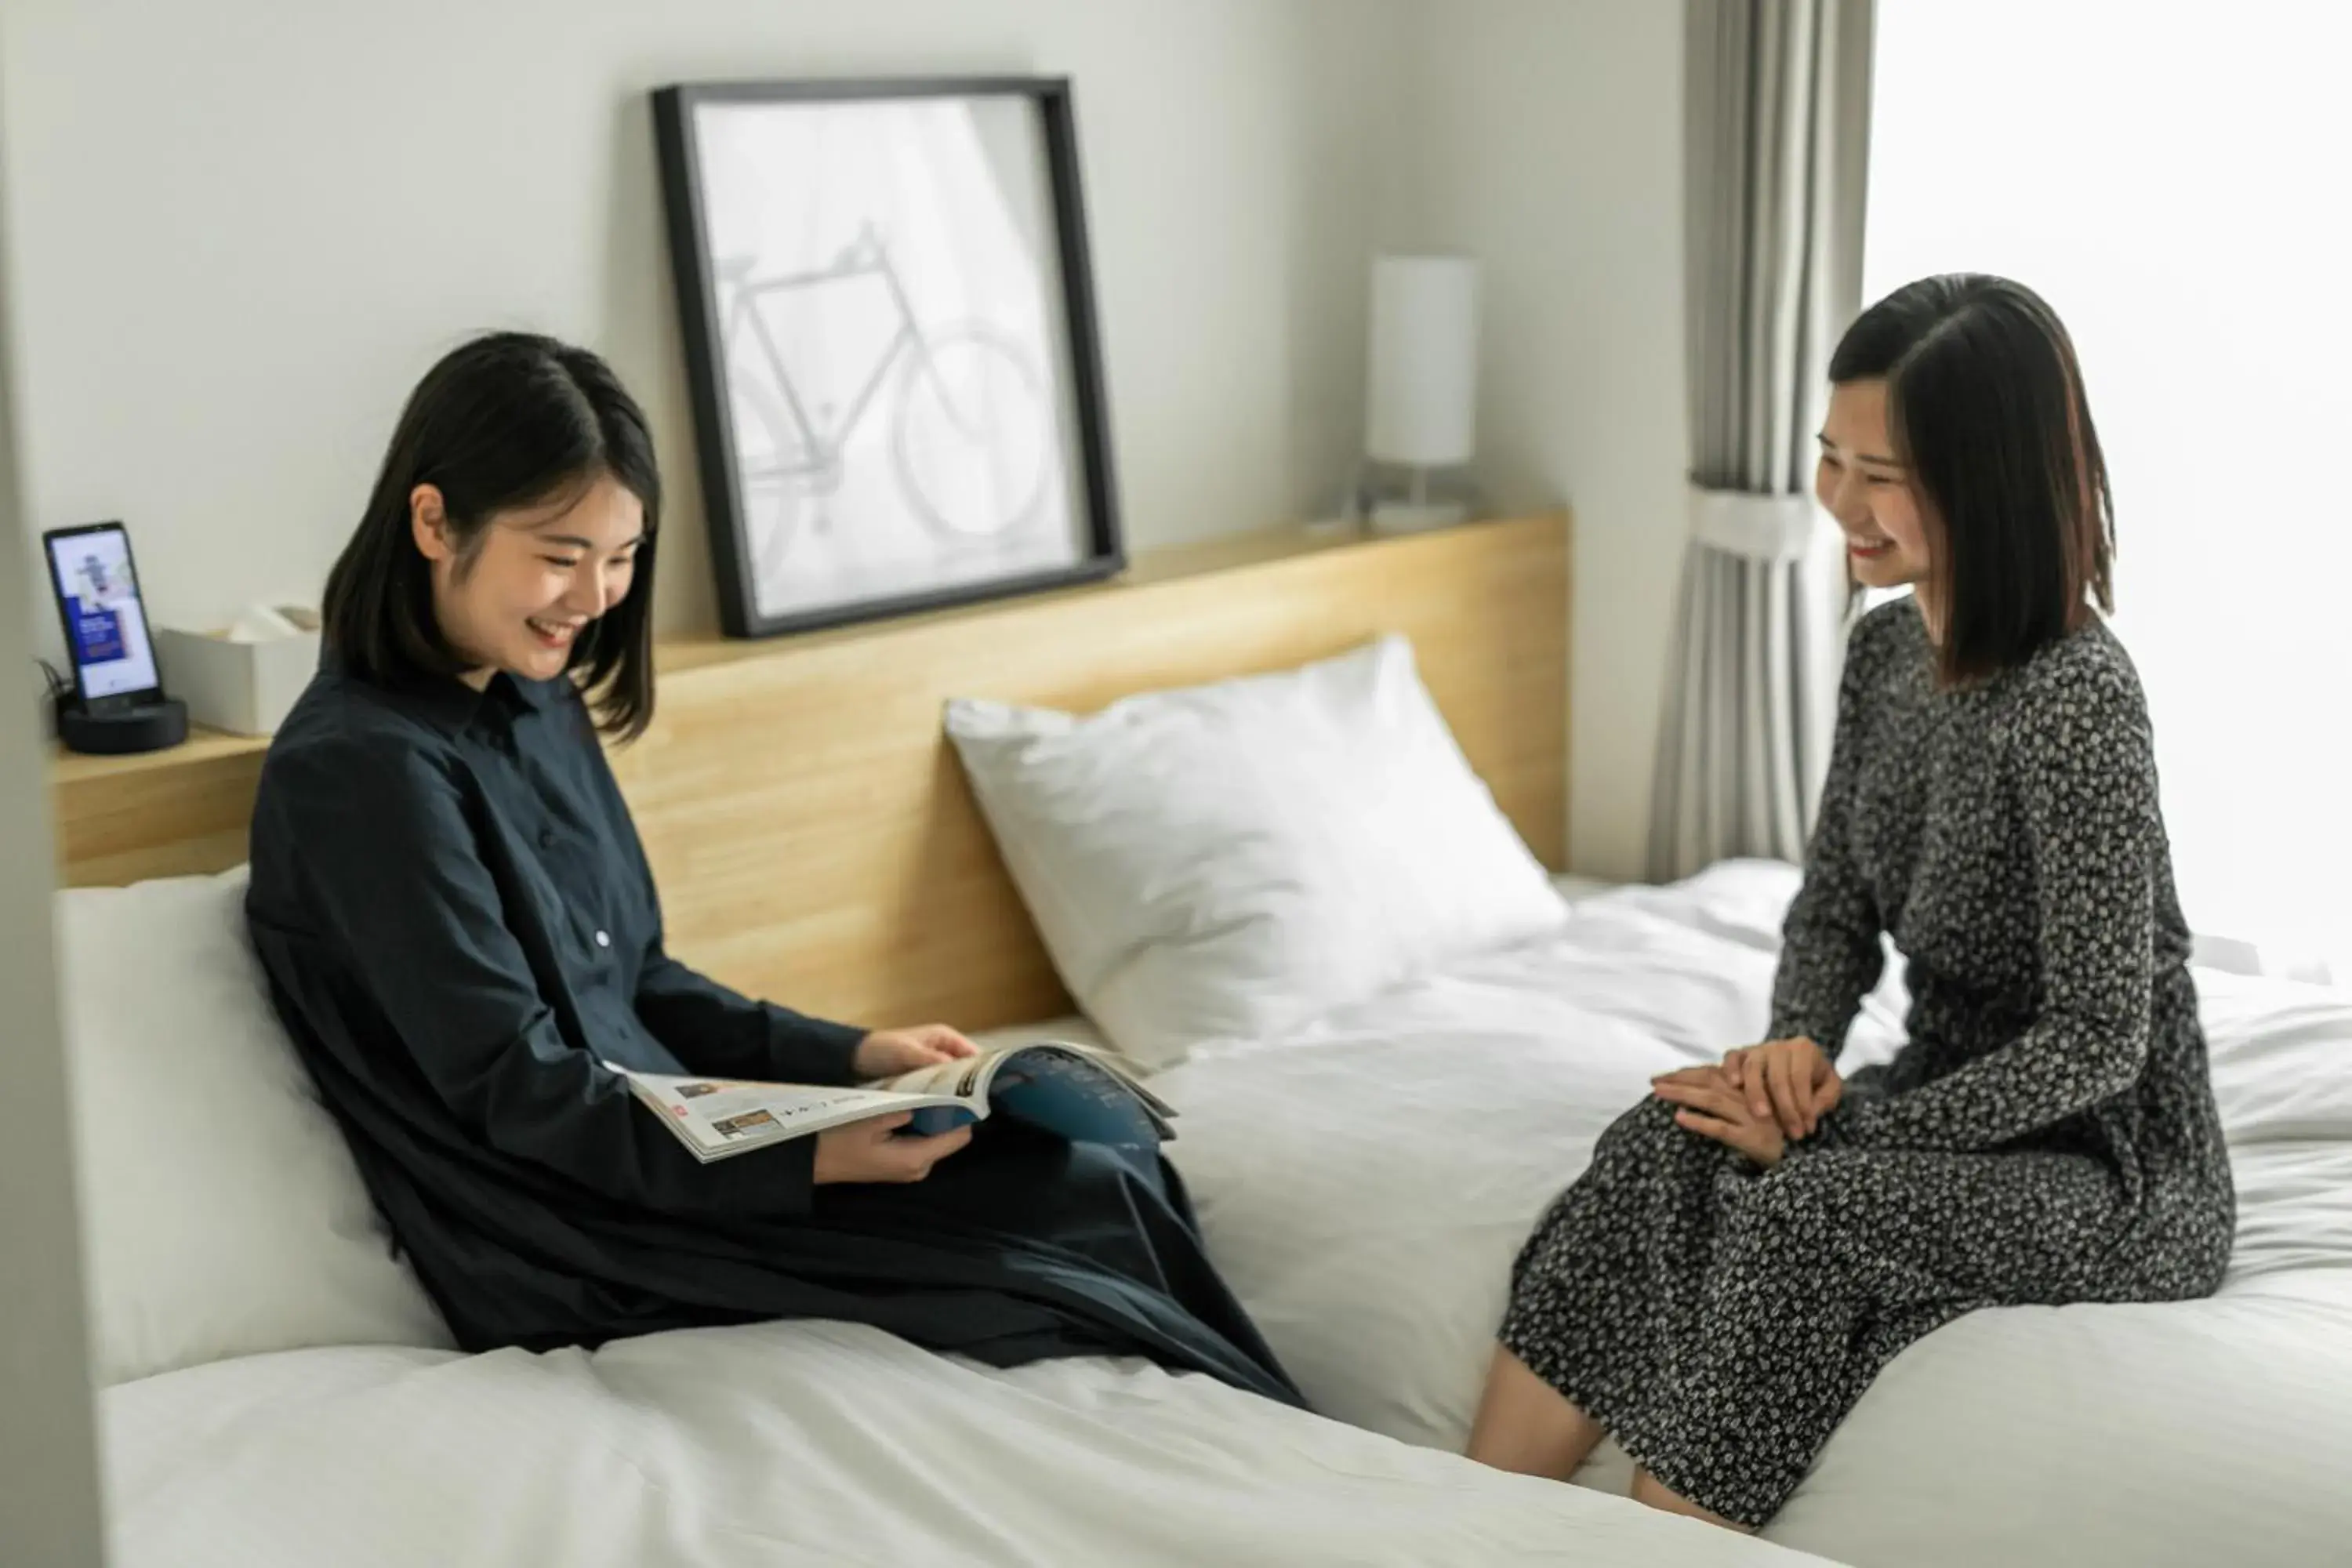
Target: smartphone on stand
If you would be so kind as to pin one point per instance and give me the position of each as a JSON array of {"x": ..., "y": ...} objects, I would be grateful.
[{"x": 97, "y": 592}]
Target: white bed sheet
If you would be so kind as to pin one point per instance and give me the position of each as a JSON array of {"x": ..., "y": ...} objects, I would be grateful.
[
  {"x": 1366, "y": 1184},
  {"x": 805, "y": 1442},
  {"x": 1082, "y": 1029}
]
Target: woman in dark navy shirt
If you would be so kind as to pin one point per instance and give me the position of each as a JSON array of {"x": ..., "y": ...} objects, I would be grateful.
[{"x": 459, "y": 930}]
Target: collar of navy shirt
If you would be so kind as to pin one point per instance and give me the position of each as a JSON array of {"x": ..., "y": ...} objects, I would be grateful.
[
  {"x": 453, "y": 707},
  {"x": 460, "y": 707}
]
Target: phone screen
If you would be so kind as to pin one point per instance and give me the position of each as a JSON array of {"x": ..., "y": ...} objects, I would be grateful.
[{"x": 106, "y": 628}]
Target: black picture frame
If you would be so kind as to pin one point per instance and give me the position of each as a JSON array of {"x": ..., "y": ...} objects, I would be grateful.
[{"x": 969, "y": 390}]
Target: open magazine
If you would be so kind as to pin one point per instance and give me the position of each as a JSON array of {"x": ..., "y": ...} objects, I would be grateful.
[{"x": 1075, "y": 1090}]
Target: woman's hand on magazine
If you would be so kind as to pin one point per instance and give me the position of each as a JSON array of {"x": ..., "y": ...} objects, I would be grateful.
[
  {"x": 1789, "y": 1082},
  {"x": 886, "y": 1053},
  {"x": 872, "y": 1151}
]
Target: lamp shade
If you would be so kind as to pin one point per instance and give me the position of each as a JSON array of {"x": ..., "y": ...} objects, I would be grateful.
[{"x": 1422, "y": 401}]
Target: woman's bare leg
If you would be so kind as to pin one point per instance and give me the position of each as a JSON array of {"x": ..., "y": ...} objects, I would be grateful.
[
  {"x": 1526, "y": 1425},
  {"x": 1648, "y": 1488}
]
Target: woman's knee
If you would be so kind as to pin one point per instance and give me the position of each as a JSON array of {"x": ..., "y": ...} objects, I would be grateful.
[
  {"x": 1646, "y": 1126},
  {"x": 1806, "y": 1194},
  {"x": 1647, "y": 1139}
]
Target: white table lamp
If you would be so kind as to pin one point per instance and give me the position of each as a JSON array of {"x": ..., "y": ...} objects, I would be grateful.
[{"x": 1422, "y": 403}]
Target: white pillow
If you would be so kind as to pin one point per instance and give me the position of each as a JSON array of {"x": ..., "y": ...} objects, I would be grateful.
[
  {"x": 222, "y": 1214},
  {"x": 1226, "y": 861}
]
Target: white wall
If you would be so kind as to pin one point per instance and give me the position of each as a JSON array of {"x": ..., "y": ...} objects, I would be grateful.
[
  {"x": 233, "y": 235},
  {"x": 1551, "y": 146},
  {"x": 49, "y": 1467},
  {"x": 243, "y": 229}
]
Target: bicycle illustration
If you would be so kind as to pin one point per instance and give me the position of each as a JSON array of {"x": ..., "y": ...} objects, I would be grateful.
[{"x": 970, "y": 427}]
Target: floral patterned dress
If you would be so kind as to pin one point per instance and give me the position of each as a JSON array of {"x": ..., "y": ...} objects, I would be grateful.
[{"x": 2048, "y": 1134}]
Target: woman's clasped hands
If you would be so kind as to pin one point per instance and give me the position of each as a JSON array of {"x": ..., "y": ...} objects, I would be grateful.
[{"x": 1759, "y": 1099}]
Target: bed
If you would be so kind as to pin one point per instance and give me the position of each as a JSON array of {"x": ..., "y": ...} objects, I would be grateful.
[
  {"x": 1307, "y": 878},
  {"x": 2215, "y": 1431},
  {"x": 802, "y": 1443},
  {"x": 276, "y": 1390}
]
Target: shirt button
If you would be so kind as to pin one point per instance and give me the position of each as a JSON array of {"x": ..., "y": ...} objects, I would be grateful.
[
  {"x": 547, "y": 838},
  {"x": 602, "y": 940}
]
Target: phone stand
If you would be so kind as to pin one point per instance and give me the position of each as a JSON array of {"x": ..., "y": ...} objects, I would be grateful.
[{"x": 115, "y": 731}]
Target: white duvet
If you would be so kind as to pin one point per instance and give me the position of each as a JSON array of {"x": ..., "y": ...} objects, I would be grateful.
[
  {"x": 805, "y": 1442},
  {"x": 1366, "y": 1184}
]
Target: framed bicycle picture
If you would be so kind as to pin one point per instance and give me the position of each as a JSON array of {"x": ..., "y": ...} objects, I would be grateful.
[{"x": 890, "y": 343}]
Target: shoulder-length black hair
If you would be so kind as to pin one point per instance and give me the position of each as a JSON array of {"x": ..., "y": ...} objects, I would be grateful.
[
  {"x": 1985, "y": 406},
  {"x": 505, "y": 421}
]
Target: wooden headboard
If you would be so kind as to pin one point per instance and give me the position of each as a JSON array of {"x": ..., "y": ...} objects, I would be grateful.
[{"x": 810, "y": 828}]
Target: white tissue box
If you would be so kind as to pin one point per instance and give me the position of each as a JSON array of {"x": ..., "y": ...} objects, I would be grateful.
[{"x": 243, "y": 686}]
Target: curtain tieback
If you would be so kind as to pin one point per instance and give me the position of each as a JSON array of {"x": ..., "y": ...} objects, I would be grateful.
[{"x": 1754, "y": 527}]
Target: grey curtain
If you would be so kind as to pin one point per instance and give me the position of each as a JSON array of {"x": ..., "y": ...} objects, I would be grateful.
[{"x": 1777, "y": 120}]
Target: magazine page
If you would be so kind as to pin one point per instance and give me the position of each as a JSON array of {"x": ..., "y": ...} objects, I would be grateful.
[
  {"x": 965, "y": 1077},
  {"x": 1072, "y": 1094},
  {"x": 971, "y": 1077},
  {"x": 1111, "y": 1063},
  {"x": 1121, "y": 1069},
  {"x": 716, "y": 1117},
  {"x": 1066, "y": 1087}
]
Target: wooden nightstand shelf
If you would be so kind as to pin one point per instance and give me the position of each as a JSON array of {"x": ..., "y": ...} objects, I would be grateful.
[{"x": 156, "y": 814}]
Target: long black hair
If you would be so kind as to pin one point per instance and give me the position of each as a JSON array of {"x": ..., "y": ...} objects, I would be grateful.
[
  {"x": 1985, "y": 405},
  {"x": 505, "y": 421}
]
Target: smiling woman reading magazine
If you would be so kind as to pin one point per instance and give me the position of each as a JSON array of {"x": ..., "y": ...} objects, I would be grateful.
[
  {"x": 1749, "y": 1248},
  {"x": 461, "y": 932}
]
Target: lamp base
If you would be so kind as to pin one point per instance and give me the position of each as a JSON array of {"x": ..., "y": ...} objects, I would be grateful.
[{"x": 1414, "y": 517}]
